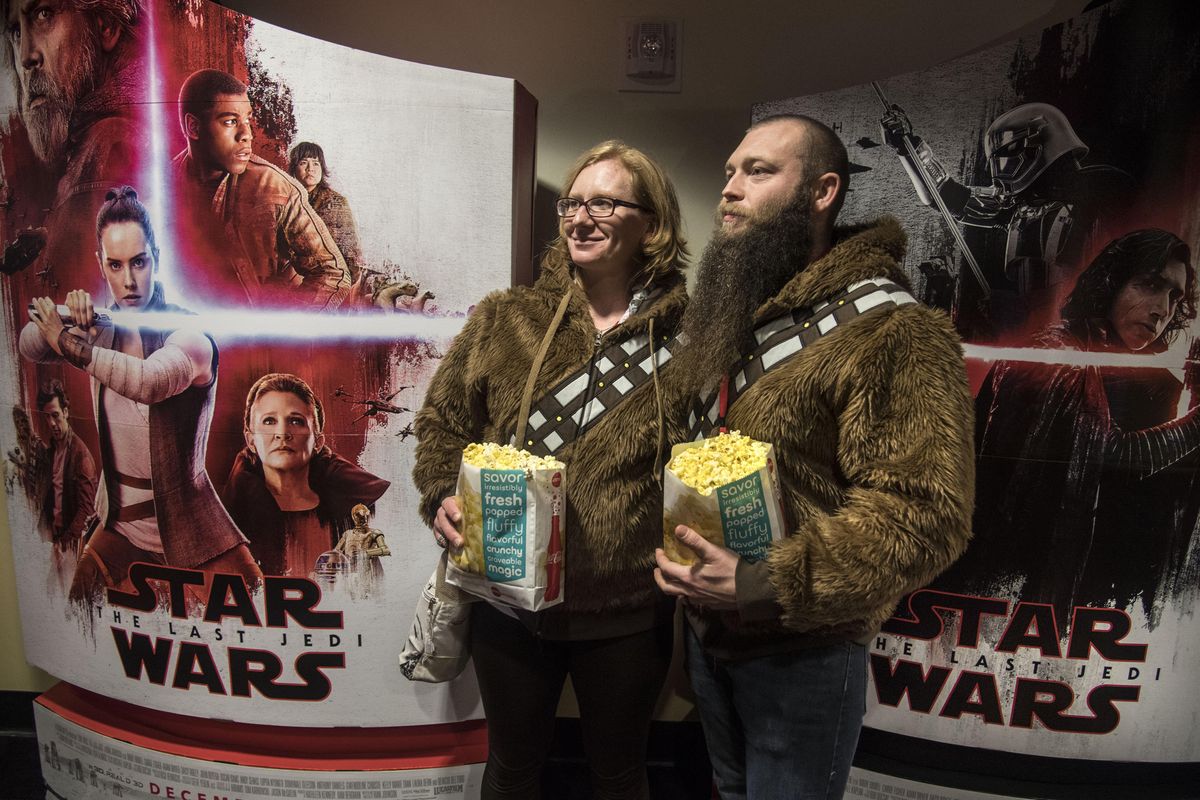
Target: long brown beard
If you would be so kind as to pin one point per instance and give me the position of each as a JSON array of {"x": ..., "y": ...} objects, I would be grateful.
[
  {"x": 738, "y": 272},
  {"x": 49, "y": 124}
]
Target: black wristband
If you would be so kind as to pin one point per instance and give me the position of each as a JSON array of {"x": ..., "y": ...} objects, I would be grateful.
[{"x": 76, "y": 350}]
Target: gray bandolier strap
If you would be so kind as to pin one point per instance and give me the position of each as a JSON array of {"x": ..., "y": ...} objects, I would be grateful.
[
  {"x": 784, "y": 336},
  {"x": 580, "y": 400}
]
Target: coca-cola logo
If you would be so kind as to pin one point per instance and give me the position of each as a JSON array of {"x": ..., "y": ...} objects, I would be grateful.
[
  {"x": 556, "y": 480},
  {"x": 555, "y": 557}
]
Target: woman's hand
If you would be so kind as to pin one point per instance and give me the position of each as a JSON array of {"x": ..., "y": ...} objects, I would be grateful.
[
  {"x": 445, "y": 525},
  {"x": 83, "y": 314}
]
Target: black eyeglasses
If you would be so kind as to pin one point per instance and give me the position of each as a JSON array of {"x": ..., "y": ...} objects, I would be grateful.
[{"x": 596, "y": 207}]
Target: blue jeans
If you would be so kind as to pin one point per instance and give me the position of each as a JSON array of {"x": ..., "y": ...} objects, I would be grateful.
[{"x": 781, "y": 727}]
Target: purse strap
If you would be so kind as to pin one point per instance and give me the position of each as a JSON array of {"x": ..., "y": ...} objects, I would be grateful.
[{"x": 536, "y": 367}]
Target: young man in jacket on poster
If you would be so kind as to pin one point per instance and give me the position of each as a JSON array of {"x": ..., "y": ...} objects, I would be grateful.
[
  {"x": 69, "y": 487},
  {"x": 871, "y": 419},
  {"x": 277, "y": 247}
]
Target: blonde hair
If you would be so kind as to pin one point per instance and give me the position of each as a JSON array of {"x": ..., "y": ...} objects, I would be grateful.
[{"x": 665, "y": 251}]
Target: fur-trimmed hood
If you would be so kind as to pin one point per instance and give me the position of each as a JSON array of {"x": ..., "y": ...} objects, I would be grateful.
[
  {"x": 869, "y": 250},
  {"x": 664, "y": 304}
]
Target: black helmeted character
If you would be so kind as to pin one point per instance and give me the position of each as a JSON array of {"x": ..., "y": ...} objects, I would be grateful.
[{"x": 1030, "y": 228}]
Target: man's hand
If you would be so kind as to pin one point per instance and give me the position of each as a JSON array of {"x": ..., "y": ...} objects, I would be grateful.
[
  {"x": 445, "y": 525},
  {"x": 710, "y": 582}
]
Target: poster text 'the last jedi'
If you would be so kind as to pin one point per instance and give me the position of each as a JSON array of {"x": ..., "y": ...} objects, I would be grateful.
[
  {"x": 1029, "y": 626},
  {"x": 249, "y": 669}
]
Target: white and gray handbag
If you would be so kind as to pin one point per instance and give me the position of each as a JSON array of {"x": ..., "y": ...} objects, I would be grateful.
[{"x": 439, "y": 644}]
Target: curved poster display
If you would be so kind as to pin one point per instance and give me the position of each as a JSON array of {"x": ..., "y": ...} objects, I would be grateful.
[
  {"x": 91, "y": 747},
  {"x": 1049, "y": 188},
  {"x": 281, "y": 236}
]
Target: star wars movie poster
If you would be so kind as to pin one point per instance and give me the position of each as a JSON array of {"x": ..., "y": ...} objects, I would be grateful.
[
  {"x": 233, "y": 257},
  {"x": 1050, "y": 188}
]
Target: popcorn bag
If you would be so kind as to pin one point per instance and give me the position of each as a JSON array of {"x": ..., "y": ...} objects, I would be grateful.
[
  {"x": 512, "y": 519},
  {"x": 726, "y": 489}
]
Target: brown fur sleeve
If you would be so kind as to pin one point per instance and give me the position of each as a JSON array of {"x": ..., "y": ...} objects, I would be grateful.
[
  {"x": 905, "y": 433},
  {"x": 451, "y": 419}
]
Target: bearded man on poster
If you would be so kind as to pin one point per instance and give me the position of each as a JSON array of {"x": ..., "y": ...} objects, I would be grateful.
[
  {"x": 80, "y": 78},
  {"x": 871, "y": 419}
]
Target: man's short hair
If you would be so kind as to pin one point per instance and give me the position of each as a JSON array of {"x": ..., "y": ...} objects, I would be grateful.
[
  {"x": 823, "y": 152},
  {"x": 52, "y": 390},
  {"x": 201, "y": 90},
  {"x": 124, "y": 14},
  {"x": 1141, "y": 252}
]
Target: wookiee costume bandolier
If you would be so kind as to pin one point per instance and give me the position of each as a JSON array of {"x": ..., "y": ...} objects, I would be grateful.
[
  {"x": 871, "y": 420},
  {"x": 597, "y": 406}
]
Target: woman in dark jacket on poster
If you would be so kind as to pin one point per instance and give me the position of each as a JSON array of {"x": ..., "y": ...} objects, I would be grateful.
[
  {"x": 610, "y": 295},
  {"x": 287, "y": 490},
  {"x": 306, "y": 163}
]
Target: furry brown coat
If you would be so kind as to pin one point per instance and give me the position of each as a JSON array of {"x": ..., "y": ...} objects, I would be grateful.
[
  {"x": 872, "y": 427},
  {"x": 614, "y": 501}
]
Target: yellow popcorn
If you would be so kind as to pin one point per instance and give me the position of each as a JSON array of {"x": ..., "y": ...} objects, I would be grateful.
[
  {"x": 719, "y": 460},
  {"x": 470, "y": 557},
  {"x": 489, "y": 455},
  {"x": 725, "y": 489}
]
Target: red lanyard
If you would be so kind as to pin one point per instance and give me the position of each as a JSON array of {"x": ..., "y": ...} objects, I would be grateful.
[{"x": 723, "y": 404}]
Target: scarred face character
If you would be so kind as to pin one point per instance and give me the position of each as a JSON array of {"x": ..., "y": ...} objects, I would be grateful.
[{"x": 1145, "y": 305}]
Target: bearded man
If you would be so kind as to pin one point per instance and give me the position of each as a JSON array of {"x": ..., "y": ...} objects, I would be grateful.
[
  {"x": 80, "y": 78},
  {"x": 808, "y": 333}
]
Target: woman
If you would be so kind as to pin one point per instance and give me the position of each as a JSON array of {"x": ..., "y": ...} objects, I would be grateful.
[
  {"x": 153, "y": 392},
  {"x": 612, "y": 276},
  {"x": 306, "y": 163},
  {"x": 287, "y": 490}
]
